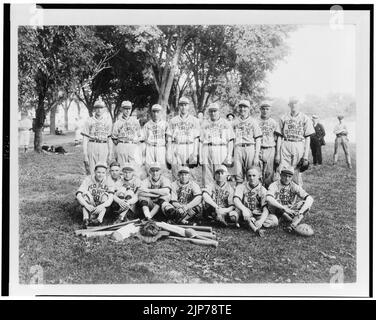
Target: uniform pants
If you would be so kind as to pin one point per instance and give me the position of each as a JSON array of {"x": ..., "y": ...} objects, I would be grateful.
[
  {"x": 128, "y": 152},
  {"x": 270, "y": 221},
  {"x": 316, "y": 151},
  {"x": 267, "y": 165},
  {"x": 211, "y": 158},
  {"x": 291, "y": 153},
  {"x": 86, "y": 214},
  {"x": 243, "y": 160},
  {"x": 96, "y": 152},
  {"x": 344, "y": 142},
  {"x": 180, "y": 156},
  {"x": 155, "y": 154}
]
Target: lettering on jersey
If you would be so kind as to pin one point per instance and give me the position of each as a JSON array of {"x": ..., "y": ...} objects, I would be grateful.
[
  {"x": 130, "y": 185},
  {"x": 215, "y": 130},
  {"x": 157, "y": 132},
  {"x": 129, "y": 131},
  {"x": 183, "y": 130},
  {"x": 285, "y": 196},
  {"x": 99, "y": 130},
  {"x": 96, "y": 190},
  {"x": 252, "y": 200},
  {"x": 220, "y": 197},
  {"x": 293, "y": 129},
  {"x": 184, "y": 194}
]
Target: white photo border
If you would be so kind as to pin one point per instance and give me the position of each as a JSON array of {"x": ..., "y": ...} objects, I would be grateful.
[{"x": 21, "y": 15}]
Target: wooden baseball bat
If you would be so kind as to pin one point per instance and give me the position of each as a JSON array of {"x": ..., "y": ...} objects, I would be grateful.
[
  {"x": 87, "y": 135},
  {"x": 112, "y": 227},
  {"x": 171, "y": 228},
  {"x": 197, "y": 228},
  {"x": 207, "y": 234},
  {"x": 97, "y": 234},
  {"x": 190, "y": 233},
  {"x": 210, "y": 243}
]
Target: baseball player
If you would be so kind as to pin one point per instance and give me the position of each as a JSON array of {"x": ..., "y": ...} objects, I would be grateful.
[
  {"x": 126, "y": 193},
  {"x": 94, "y": 195},
  {"x": 218, "y": 198},
  {"x": 127, "y": 135},
  {"x": 182, "y": 138},
  {"x": 97, "y": 147},
  {"x": 155, "y": 138},
  {"x": 295, "y": 129},
  {"x": 24, "y": 127},
  {"x": 186, "y": 198},
  {"x": 216, "y": 144},
  {"x": 341, "y": 132},
  {"x": 250, "y": 199},
  {"x": 286, "y": 199},
  {"x": 247, "y": 141},
  {"x": 154, "y": 192},
  {"x": 269, "y": 144}
]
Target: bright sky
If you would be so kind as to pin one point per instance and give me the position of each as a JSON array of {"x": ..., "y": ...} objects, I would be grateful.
[{"x": 321, "y": 60}]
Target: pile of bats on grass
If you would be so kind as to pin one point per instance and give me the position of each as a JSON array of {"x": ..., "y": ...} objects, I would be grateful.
[{"x": 118, "y": 232}]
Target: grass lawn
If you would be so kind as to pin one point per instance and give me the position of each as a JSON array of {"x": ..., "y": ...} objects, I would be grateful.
[{"x": 49, "y": 215}]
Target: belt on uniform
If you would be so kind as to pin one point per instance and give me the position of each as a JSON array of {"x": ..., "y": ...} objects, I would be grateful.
[
  {"x": 267, "y": 147},
  {"x": 131, "y": 142},
  {"x": 341, "y": 135},
  {"x": 292, "y": 140},
  {"x": 97, "y": 140},
  {"x": 155, "y": 144},
  {"x": 215, "y": 144},
  {"x": 244, "y": 144},
  {"x": 183, "y": 142}
]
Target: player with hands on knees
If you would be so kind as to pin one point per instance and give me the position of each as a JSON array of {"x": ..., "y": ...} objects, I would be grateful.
[
  {"x": 218, "y": 198},
  {"x": 250, "y": 200},
  {"x": 154, "y": 192},
  {"x": 288, "y": 200},
  {"x": 186, "y": 198},
  {"x": 95, "y": 195}
]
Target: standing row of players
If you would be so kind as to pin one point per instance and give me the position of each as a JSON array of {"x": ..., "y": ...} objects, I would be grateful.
[
  {"x": 183, "y": 140},
  {"x": 183, "y": 201}
]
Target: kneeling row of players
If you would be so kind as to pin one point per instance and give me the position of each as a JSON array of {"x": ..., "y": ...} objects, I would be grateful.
[{"x": 183, "y": 201}]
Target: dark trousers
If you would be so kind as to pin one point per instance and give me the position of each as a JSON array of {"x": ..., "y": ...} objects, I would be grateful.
[{"x": 316, "y": 151}]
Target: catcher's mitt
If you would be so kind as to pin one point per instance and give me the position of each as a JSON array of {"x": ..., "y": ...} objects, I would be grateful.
[
  {"x": 304, "y": 230},
  {"x": 303, "y": 165},
  {"x": 149, "y": 229}
]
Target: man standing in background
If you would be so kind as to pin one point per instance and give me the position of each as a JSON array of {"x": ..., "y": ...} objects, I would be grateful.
[
  {"x": 317, "y": 140},
  {"x": 341, "y": 132},
  {"x": 24, "y": 127}
]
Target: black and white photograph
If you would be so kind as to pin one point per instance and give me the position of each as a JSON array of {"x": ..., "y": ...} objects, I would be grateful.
[{"x": 220, "y": 152}]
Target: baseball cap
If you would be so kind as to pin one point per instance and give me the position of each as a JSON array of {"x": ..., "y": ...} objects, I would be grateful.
[
  {"x": 288, "y": 170},
  {"x": 213, "y": 106},
  {"x": 99, "y": 104},
  {"x": 128, "y": 167},
  {"x": 183, "y": 169},
  {"x": 340, "y": 117},
  {"x": 156, "y": 107},
  {"x": 293, "y": 100},
  {"x": 155, "y": 165},
  {"x": 265, "y": 104},
  {"x": 183, "y": 100},
  {"x": 244, "y": 103},
  {"x": 314, "y": 116},
  {"x": 221, "y": 168},
  {"x": 99, "y": 165},
  {"x": 126, "y": 104}
]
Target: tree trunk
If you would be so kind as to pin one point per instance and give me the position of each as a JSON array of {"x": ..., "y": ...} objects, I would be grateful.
[
  {"x": 40, "y": 117},
  {"x": 66, "y": 108},
  {"x": 53, "y": 119},
  {"x": 78, "y": 108}
]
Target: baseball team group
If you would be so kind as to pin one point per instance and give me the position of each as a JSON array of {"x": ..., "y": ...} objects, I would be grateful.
[{"x": 128, "y": 167}]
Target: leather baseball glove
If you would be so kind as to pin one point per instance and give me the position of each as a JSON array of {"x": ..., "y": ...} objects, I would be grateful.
[{"x": 303, "y": 165}]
